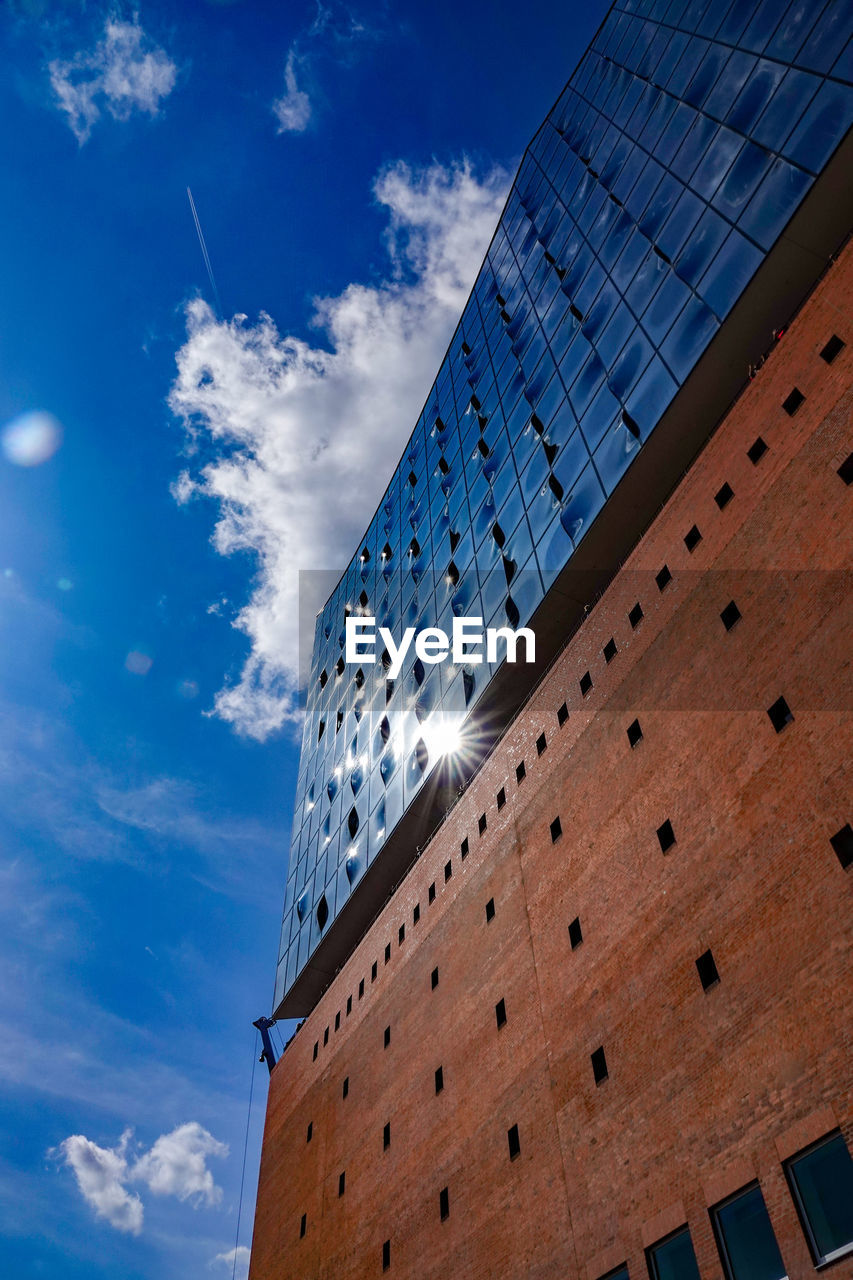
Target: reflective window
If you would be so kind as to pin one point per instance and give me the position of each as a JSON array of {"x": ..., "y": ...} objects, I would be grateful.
[
  {"x": 745, "y": 1238},
  {"x": 673, "y": 1259},
  {"x": 822, "y": 1184}
]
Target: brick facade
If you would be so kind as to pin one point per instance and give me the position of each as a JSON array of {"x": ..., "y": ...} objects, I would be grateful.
[{"x": 706, "y": 1091}]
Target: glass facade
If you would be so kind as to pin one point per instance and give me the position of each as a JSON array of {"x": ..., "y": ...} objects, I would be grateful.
[
  {"x": 683, "y": 143},
  {"x": 822, "y": 1182}
]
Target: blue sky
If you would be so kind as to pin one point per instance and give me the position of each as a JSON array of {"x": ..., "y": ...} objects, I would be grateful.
[{"x": 183, "y": 464}]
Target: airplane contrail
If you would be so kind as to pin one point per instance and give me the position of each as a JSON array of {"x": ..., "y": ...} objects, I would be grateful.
[{"x": 204, "y": 253}]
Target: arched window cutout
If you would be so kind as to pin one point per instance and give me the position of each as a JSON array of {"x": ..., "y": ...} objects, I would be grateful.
[
  {"x": 359, "y": 678},
  {"x": 385, "y": 728},
  {"x": 511, "y": 608},
  {"x": 322, "y": 912},
  {"x": 455, "y": 539},
  {"x": 385, "y": 659},
  {"x": 443, "y": 466},
  {"x": 321, "y": 729},
  {"x": 414, "y": 547},
  {"x": 363, "y": 600},
  {"x": 467, "y": 686},
  {"x": 324, "y": 675},
  {"x": 556, "y": 488},
  {"x": 339, "y": 666},
  {"x": 365, "y": 555},
  {"x": 421, "y": 755},
  {"x": 551, "y": 451},
  {"x": 352, "y": 822},
  {"x": 419, "y": 672},
  {"x": 387, "y": 551},
  {"x": 452, "y": 574},
  {"x": 498, "y": 534},
  {"x": 509, "y": 568}
]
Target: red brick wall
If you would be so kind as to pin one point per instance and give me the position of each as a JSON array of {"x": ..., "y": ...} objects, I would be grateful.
[{"x": 706, "y": 1091}]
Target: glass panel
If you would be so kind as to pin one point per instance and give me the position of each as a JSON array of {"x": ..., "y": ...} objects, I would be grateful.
[
  {"x": 824, "y": 1182},
  {"x": 674, "y": 1259},
  {"x": 749, "y": 1246}
]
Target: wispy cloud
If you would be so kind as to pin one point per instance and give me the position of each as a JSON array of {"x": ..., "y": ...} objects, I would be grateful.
[
  {"x": 176, "y": 1165},
  {"x": 236, "y": 1260},
  {"x": 125, "y": 72},
  {"x": 295, "y": 427},
  {"x": 293, "y": 109},
  {"x": 336, "y": 32}
]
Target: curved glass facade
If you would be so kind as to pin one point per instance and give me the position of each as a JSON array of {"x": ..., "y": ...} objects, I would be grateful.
[{"x": 685, "y": 140}]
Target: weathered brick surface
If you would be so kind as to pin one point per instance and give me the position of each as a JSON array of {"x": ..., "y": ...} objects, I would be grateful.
[{"x": 706, "y": 1091}]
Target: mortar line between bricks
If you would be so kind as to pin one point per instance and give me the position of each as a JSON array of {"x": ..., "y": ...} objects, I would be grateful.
[{"x": 545, "y": 1041}]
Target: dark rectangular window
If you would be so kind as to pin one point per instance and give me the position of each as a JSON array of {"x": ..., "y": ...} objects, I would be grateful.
[
  {"x": 501, "y": 797},
  {"x": 663, "y": 577},
  {"x": 745, "y": 1238},
  {"x": 845, "y": 471},
  {"x": 500, "y": 1012},
  {"x": 599, "y": 1065},
  {"x": 342, "y": 1182},
  {"x": 345, "y": 1087},
  {"x": 433, "y": 977},
  {"x": 386, "y": 1255},
  {"x": 541, "y": 744},
  {"x": 556, "y": 830},
  {"x": 621, "y": 1273},
  {"x": 310, "y": 1134},
  {"x": 387, "y": 952},
  {"x": 756, "y": 450},
  {"x": 448, "y": 871},
  {"x": 575, "y": 934},
  {"x": 842, "y": 844},
  {"x": 666, "y": 835},
  {"x": 723, "y": 497},
  {"x": 416, "y": 913},
  {"x": 673, "y": 1258},
  {"x": 349, "y": 1005},
  {"x": 490, "y": 909},
  {"x": 514, "y": 1142},
  {"x": 303, "y": 1225},
  {"x": 439, "y": 1079},
  {"x": 431, "y": 893},
  {"x": 707, "y": 969},
  {"x": 832, "y": 349},
  {"x": 822, "y": 1185},
  {"x": 374, "y": 969},
  {"x": 316, "y": 1049},
  {"x": 482, "y": 823},
  {"x": 792, "y": 402},
  {"x": 338, "y": 1020},
  {"x": 780, "y": 714},
  {"x": 610, "y": 650},
  {"x": 562, "y": 715},
  {"x": 326, "y": 1037},
  {"x": 361, "y": 989},
  {"x": 634, "y": 732},
  {"x": 444, "y": 1203},
  {"x": 585, "y": 683},
  {"x": 692, "y": 538},
  {"x": 463, "y": 848},
  {"x": 401, "y": 934},
  {"x": 635, "y": 616},
  {"x": 386, "y": 1136},
  {"x": 387, "y": 1037},
  {"x": 520, "y": 771},
  {"x": 730, "y": 615}
]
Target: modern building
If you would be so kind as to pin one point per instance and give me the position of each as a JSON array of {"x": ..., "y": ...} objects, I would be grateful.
[{"x": 577, "y": 990}]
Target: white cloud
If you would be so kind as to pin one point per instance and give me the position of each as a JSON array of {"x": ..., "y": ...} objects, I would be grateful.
[
  {"x": 240, "y": 1256},
  {"x": 293, "y": 109},
  {"x": 305, "y": 437},
  {"x": 125, "y": 72},
  {"x": 101, "y": 1173},
  {"x": 174, "y": 1166}
]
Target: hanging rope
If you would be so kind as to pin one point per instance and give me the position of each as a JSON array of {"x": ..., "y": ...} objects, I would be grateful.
[{"x": 245, "y": 1149}]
